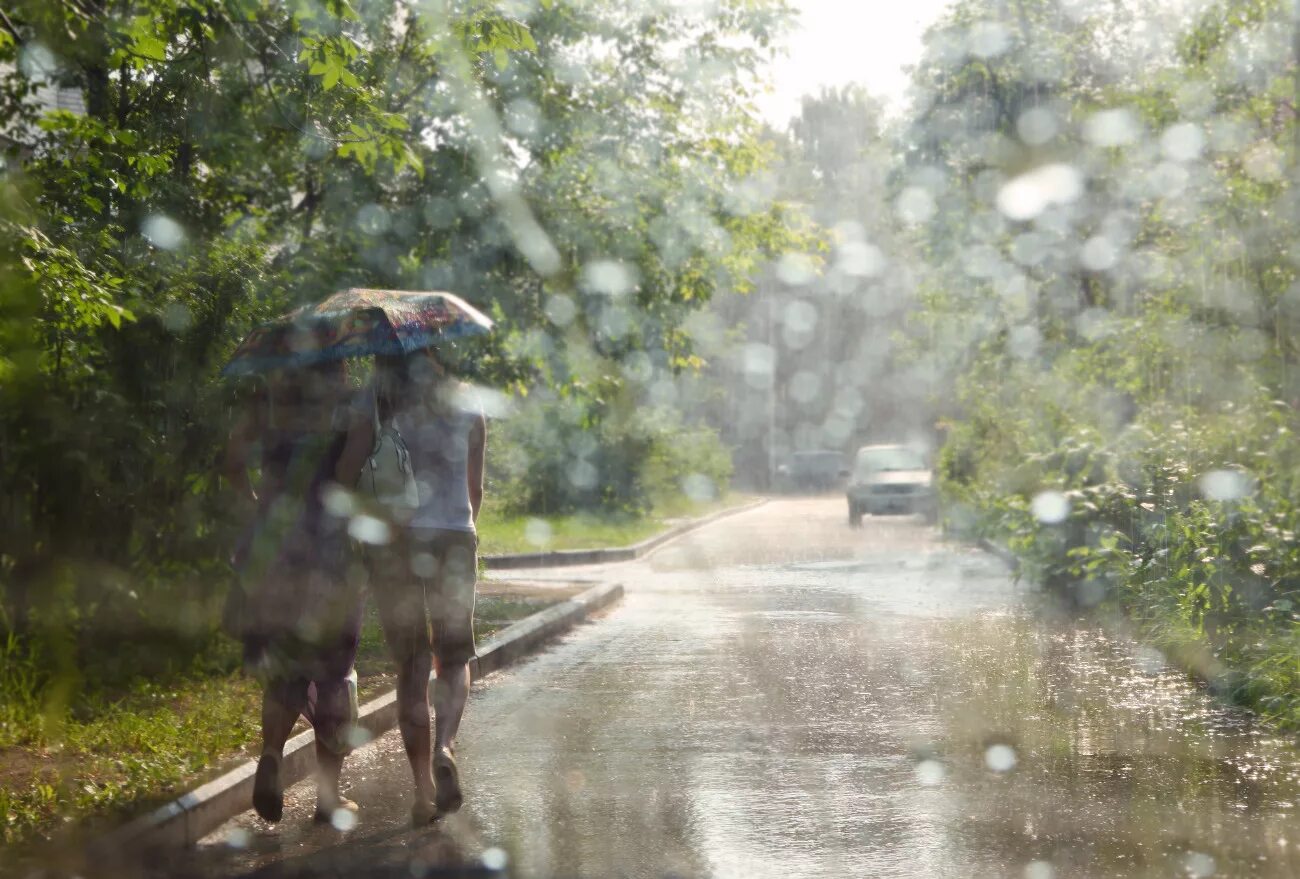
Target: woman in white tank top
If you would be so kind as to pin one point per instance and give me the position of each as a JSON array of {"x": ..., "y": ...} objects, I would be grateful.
[{"x": 424, "y": 581}]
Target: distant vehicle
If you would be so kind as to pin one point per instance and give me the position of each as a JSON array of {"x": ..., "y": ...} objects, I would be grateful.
[
  {"x": 890, "y": 479},
  {"x": 816, "y": 470}
]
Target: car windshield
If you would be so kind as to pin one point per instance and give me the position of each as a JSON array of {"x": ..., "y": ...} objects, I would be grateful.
[{"x": 889, "y": 459}]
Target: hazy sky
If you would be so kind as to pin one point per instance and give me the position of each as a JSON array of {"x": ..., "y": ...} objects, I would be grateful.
[{"x": 843, "y": 41}]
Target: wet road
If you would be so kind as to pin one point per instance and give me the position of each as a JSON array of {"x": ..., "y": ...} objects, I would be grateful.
[{"x": 781, "y": 696}]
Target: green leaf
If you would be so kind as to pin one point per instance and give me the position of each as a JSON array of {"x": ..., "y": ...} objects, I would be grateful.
[{"x": 149, "y": 46}]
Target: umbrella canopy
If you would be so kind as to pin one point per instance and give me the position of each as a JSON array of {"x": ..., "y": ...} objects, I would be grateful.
[{"x": 357, "y": 322}]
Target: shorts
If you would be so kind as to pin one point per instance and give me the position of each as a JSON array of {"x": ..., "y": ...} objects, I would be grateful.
[{"x": 424, "y": 588}]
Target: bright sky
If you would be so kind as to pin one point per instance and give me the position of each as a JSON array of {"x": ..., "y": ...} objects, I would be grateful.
[{"x": 842, "y": 41}]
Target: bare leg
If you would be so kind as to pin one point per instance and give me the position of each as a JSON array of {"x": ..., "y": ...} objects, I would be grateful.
[
  {"x": 331, "y": 720},
  {"x": 450, "y": 693},
  {"x": 282, "y": 702},
  {"x": 413, "y": 720}
]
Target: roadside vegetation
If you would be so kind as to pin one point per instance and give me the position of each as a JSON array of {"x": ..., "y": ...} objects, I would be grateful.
[{"x": 1105, "y": 201}]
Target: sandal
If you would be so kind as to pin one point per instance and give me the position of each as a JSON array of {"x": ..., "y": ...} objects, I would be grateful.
[
  {"x": 446, "y": 778},
  {"x": 268, "y": 791},
  {"x": 325, "y": 815},
  {"x": 423, "y": 812}
]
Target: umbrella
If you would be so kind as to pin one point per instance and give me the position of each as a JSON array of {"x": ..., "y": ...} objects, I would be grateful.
[{"x": 357, "y": 322}]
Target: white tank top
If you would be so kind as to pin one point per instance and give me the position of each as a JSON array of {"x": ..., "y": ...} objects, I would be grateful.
[{"x": 439, "y": 445}]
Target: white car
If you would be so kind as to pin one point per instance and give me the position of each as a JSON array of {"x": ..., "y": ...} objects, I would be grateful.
[{"x": 890, "y": 479}]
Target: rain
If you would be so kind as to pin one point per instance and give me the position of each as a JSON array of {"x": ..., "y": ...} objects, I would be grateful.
[{"x": 802, "y": 438}]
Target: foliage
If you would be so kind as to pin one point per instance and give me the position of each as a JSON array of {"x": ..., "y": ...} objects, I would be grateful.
[{"x": 1110, "y": 278}]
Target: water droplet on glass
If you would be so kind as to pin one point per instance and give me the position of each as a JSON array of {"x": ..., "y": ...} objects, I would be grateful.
[
  {"x": 795, "y": 269},
  {"x": 561, "y": 310},
  {"x": 805, "y": 386},
  {"x": 1023, "y": 342},
  {"x": 609, "y": 277},
  {"x": 860, "y": 259},
  {"x": 1000, "y": 758},
  {"x": 1099, "y": 254},
  {"x": 1050, "y": 507},
  {"x": 538, "y": 533},
  {"x": 699, "y": 488},
  {"x": 1199, "y": 866},
  {"x": 1039, "y": 870},
  {"x": 915, "y": 205},
  {"x": 343, "y": 820},
  {"x": 1182, "y": 142},
  {"x": 1027, "y": 196},
  {"x": 495, "y": 858},
  {"x": 373, "y": 220},
  {"x": 424, "y": 564},
  {"x": 1263, "y": 162},
  {"x": 37, "y": 62},
  {"x": 583, "y": 475},
  {"x": 1112, "y": 128},
  {"x": 929, "y": 773},
  {"x": 1149, "y": 660},
  {"x": 988, "y": 39},
  {"x": 1225, "y": 485},
  {"x": 1037, "y": 126},
  {"x": 358, "y": 736},
  {"x": 238, "y": 838},
  {"x": 177, "y": 317},
  {"x": 758, "y": 362},
  {"x": 368, "y": 529},
  {"x": 163, "y": 232}
]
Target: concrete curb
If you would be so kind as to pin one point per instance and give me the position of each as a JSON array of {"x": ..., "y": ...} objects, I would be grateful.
[
  {"x": 1007, "y": 557},
  {"x": 563, "y": 557},
  {"x": 192, "y": 816}
]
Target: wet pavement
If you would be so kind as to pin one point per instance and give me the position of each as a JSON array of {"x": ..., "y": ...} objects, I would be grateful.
[{"x": 779, "y": 695}]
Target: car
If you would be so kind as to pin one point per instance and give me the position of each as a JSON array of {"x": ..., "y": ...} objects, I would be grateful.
[
  {"x": 811, "y": 471},
  {"x": 890, "y": 479}
]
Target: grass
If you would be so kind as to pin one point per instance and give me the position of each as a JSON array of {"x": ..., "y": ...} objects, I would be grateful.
[
  {"x": 113, "y": 753},
  {"x": 501, "y": 533}
]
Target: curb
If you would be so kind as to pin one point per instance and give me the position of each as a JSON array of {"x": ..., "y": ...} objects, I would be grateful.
[
  {"x": 564, "y": 557},
  {"x": 1007, "y": 557},
  {"x": 192, "y": 816}
]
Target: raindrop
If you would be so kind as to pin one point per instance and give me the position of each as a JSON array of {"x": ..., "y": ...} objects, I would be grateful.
[
  {"x": 338, "y": 501},
  {"x": 1099, "y": 254},
  {"x": 439, "y": 212},
  {"x": 37, "y": 62},
  {"x": 523, "y": 117},
  {"x": 699, "y": 488},
  {"x": 1023, "y": 342},
  {"x": 424, "y": 564},
  {"x": 373, "y": 220},
  {"x": 1199, "y": 866},
  {"x": 358, "y": 736},
  {"x": 795, "y": 269},
  {"x": 929, "y": 773},
  {"x": 1027, "y": 196},
  {"x": 1037, "y": 126},
  {"x": 915, "y": 205},
  {"x": 1263, "y": 162},
  {"x": 238, "y": 838},
  {"x": 805, "y": 386},
  {"x": 1112, "y": 128},
  {"x": 1225, "y": 485},
  {"x": 1149, "y": 660},
  {"x": 609, "y": 277},
  {"x": 1182, "y": 142},
  {"x": 538, "y": 532},
  {"x": 343, "y": 820},
  {"x": 561, "y": 310},
  {"x": 1050, "y": 507},
  {"x": 758, "y": 362},
  {"x": 1039, "y": 870},
  {"x": 177, "y": 317},
  {"x": 861, "y": 260},
  {"x": 163, "y": 232},
  {"x": 988, "y": 39},
  {"x": 495, "y": 858},
  {"x": 1000, "y": 758},
  {"x": 1090, "y": 593},
  {"x": 638, "y": 368},
  {"x": 583, "y": 475},
  {"x": 368, "y": 529}
]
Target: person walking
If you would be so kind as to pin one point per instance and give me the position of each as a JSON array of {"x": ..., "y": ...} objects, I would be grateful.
[
  {"x": 301, "y": 617},
  {"x": 424, "y": 581}
]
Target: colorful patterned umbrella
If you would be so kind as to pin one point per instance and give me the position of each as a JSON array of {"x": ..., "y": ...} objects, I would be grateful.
[{"x": 357, "y": 323}]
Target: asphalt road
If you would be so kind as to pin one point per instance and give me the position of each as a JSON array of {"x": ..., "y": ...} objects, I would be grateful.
[{"x": 779, "y": 695}]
